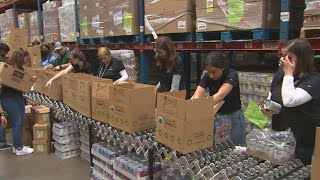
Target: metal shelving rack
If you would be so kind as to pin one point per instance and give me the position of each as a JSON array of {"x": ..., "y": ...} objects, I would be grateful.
[{"x": 184, "y": 47}]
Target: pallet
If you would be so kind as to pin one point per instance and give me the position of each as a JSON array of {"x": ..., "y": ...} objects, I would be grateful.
[
  {"x": 176, "y": 37},
  {"x": 310, "y": 32},
  {"x": 111, "y": 39},
  {"x": 255, "y": 34}
]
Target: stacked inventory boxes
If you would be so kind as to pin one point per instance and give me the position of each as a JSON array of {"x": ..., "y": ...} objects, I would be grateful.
[
  {"x": 41, "y": 130},
  {"x": 67, "y": 21},
  {"x": 50, "y": 15}
]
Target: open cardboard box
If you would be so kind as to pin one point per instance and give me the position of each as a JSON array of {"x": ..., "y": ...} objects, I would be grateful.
[
  {"x": 185, "y": 125},
  {"x": 132, "y": 107}
]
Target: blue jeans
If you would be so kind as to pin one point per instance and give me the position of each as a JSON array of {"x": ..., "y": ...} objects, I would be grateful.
[
  {"x": 14, "y": 106},
  {"x": 238, "y": 131}
]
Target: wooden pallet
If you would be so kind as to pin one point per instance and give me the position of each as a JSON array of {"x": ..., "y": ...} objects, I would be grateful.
[{"x": 310, "y": 32}]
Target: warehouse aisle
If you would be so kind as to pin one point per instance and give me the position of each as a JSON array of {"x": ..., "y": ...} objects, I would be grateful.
[{"x": 49, "y": 167}]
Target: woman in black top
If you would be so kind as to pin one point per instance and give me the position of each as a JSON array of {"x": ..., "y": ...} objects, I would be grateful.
[
  {"x": 169, "y": 66},
  {"x": 109, "y": 67},
  {"x": 299, "y": 96},
  {"x": 78, "y": 65},
  {"x": 223, "y": 84},
  {"x": 13, "y": 102}
]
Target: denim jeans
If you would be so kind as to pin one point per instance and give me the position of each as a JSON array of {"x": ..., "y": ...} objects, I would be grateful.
[
  {"x": 238, "y": 131},
  {"x": 14, "y": 106}
]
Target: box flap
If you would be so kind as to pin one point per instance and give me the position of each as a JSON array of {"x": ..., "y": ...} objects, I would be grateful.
[
  {"x": 317, "y": 143},
  {"x": 40, "y": 109},
  {"x": 171, "y": 106},
  {"x": 179, "y": 94},
  {"x": 202, "y": 108},
  {"x": 315, "y": 173}
]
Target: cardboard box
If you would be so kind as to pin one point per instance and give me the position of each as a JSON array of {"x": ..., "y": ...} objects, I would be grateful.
[
  {"x": 50, "y": 16},
  {"x": 185, "y": 125},
  {"x": 41, "y": 147},
  {"x": 67, "y": 22},
  {"x": 100, "y": 102},
  {"x": 132, "y": 107},
  {"x": 24, "y": 23},
  {"x": 212, "y": 15},
  {"x": 170, "y": 16},
  {"x": 41, "y": 132},
  {"x": 41, "y": 114},
  {"x": 315, "y": 173},
  {"x": 15, "y": 78},
  {"x": 55, "y": 91},
  {"x": 35, "y": 55},
  {"x": 16, "y": 38},
  {"x": 39, "y": 85},
  {"x": 34, "y": 26}
]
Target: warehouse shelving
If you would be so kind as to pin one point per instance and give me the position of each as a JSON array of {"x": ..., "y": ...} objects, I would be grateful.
[{"x": 184, "y": 47}]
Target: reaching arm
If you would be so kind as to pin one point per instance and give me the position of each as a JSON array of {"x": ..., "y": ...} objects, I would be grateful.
[
  {"x": 224, "y": 90},
  {"x": 61, "y": 73},
  {"x": 199, "y": 93},
  {"x": 124, "y": 77}
]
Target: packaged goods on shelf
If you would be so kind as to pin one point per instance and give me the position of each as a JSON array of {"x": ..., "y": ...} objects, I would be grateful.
[
  {"x": 100, "y": 173},
  {"x": 121, "y": 18},
  {"x": 312, "y": 14},
  {"x": 170, "y": 16},
  {"x": 127, "y": 110},
  {"x": 7, "y": 21},
  {"x": 177, "y": 121},
  {"x": 235, "y": 15},
  {"x": 68, "y": 154},
  {"x": 277, "y": 147},
  {"x": 130, "y": 62},
  {"x": 24, "y": 23},
  {"x": 85, "y": 148},
  {"x": 62, "y": 129},
  {"x": 85, "y": 156},
  {"x": 34, "y": 26},
  {"x": 67, "y": 23},
  {"x": 67, "y": 2},
  {"x": 222, "y": 128},
  {"x": 50, "y": 15}
]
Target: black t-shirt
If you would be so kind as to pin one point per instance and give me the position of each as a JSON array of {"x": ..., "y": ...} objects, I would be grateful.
[
  {"x": 166, "y": 77},
  {"x": 279, "y": 123},
  {"x": 232, "y": 100},
  {"x": 86, "y": 68},
  {"x": 305, "y": 118},
  {"x": 110, "y": 71}
]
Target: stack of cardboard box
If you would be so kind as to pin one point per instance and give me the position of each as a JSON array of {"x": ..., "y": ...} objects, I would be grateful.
[
  {"x": 77, "y": 91},
  {"x": 41, "y": 129},
  {"x": 67, "y": 21},
  {"x": 170, "y": 16},
  {"x": 35, "y": 56},
  {"x": 50, "y": 15},
  {"x": 24, "y": 23},
  {"x": 34, "y": 26},
  {"x": 311, "y": 18},
  {"x": 185, "y": 125},
  {"x": 15, "y": 38},
  {"x": 99, "y": 18},
  {"x": 7, "y": 21},
  {"x": 215, "y": 15}
]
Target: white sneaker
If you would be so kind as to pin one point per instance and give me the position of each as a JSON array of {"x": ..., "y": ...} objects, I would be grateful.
[
  {"x": 14, "y": 150},
  {"x": 24, "y": 151}
]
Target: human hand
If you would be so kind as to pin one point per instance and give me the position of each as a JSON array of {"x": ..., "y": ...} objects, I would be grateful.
[
  {"x": 4, "y": 121},
  {"x": 288, "y": 65},
  {"x": 34, "y": 78},
  {"x": 48, "y": 84},
  {"x": 57, "y": 68}
]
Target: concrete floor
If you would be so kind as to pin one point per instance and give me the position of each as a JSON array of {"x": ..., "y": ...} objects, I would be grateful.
[{"x": 48, "y": 167}]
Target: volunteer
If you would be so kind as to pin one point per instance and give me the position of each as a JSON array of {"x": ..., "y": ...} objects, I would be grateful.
[
  {"x": 223, "y": 84},
  {"x": 109, "y": 67},
  {"x": 4, "y": 50},
  {"x": 78, "y": 65},
  {"x": 300, "y": 96},
  {"x": 169, "y": 66},
  {"x": 47, "y": 56},
  {"x": 13, "y": 102},
  {"x": 62, "y": 61}
]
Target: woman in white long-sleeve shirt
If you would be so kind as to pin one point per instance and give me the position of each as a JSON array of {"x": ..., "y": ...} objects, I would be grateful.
[
  {"x": 109, "y": 67},
  {"x": 296, "y": 88}
]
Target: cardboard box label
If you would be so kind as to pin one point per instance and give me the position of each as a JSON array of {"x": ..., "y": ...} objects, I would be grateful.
[
  {"x": 202, "y": 25},
  {"x": 209, "y": 6},
  {"x": 117, "y": 18},
  {"x": 46, "y": 117},
  {"x": 40, "y": 134},
  {"x": 40, "y": 148},
  {"x": 182, "y": 24}
]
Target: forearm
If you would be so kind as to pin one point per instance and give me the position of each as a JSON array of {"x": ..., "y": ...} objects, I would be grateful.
[
  {"x": 175, "y": 83},
  {"x": 199, "y": 93},
  {"x": 49, "y": 66},
  {"x": 124, "y": 76},
  {"x": 64, "y": 66},
  {"x": 61, "y": 73}
]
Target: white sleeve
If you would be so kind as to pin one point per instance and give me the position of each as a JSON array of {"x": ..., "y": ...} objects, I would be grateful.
[
  {"x": 269, "y": 95},
  {"x": 292, "y": 96},
  {"x": 124, "y": 76},
  {"x": 175, "y": 83}
]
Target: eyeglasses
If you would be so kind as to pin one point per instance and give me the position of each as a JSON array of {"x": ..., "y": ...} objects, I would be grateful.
[{"x": 159, "y": 51}]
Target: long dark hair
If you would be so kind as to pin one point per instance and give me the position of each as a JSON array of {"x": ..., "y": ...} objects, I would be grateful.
[
  {"x": 302, "y": 49},
  {"x": 166, "y": 44}
]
